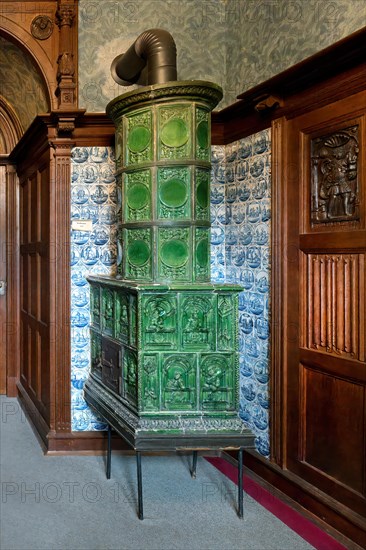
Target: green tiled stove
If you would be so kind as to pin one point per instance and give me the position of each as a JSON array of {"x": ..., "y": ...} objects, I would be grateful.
[{"x": 164, "y": 339}]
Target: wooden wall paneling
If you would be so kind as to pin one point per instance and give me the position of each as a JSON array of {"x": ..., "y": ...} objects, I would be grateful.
[
  {"x": 3, "y": 299},
  {"x": 43, "y": 165},
  {"x": 324, "y": 292},
  {"x": 12, "y": 262}
]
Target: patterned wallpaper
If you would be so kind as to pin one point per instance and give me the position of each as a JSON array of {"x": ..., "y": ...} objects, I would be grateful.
[
  {"x": 108, "y": 28},
  {"x": 240, "y": 238},
  {"x": 269, "y": 36},
  {"x": 20, "y": 83},
  {"x": 235, "y": 43}
]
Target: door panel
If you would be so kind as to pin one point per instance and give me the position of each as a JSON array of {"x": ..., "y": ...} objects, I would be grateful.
[
  {"x": 324, "y": 298},
  {"x": 35, "y": 286}
]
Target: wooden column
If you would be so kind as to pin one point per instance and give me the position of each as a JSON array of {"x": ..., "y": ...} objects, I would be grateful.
[
  {"x": 60, "y": 284},
  {"x": 66, "y": 91}
]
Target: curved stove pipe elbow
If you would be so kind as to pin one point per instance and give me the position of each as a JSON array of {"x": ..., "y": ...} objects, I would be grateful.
[{"x": 154, "y": 49}]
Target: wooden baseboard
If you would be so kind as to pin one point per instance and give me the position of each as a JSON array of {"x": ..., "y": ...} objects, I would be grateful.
[
  {"x": 333, "y": 516},
  {"x": 12, "y": 390},
  {"x": 37, "y": 422},
  {"x": 54, "y": 443},
  {"x": 85, "y": 443}
]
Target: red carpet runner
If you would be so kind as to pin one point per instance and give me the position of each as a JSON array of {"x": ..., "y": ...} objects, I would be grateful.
[{"x": 294, "y": 520}]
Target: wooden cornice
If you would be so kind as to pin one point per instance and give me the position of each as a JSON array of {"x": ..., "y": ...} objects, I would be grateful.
[
  {"x": 330, "y": 74},
  {"x": 89, "y": 129}
]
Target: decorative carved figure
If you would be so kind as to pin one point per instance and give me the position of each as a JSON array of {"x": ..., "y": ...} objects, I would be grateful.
[
  {"x": 195, "y": 319},
  {"x": 334, "y": 177},
  {"x": 66, "y": 64},
  {"x": 161, "y": 320},
  {"x": 179, "y": 383},
  {"x": 65, "y": 15}
]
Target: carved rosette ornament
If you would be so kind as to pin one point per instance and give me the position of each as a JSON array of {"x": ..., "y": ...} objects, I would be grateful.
[{"x": 42, "y": 27}]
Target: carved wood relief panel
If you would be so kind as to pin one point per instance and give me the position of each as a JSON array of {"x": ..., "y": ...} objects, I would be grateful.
[
  {"x": 333, "y": 303},
  {"x": 334, "y": 176}
]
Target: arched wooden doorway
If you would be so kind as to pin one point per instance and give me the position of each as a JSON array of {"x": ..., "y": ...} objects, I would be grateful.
[{"x": 24, "y": 92}]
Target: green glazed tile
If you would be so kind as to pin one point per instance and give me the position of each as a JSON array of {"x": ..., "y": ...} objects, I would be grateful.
[
  {"x": 159, "y": 322},
  {"x": 174, "y": 261},
  {"x": 174, "y": 193},
  {"x": 174, "y": 133},
  {"x": 179, "y": 382},
  {"x": 217, "y": 383},
  {"x": 138, "y": 142},
  {"x": 137, "y": 196},
  {"x": 150, "y": 386},
  {"x": 197, "y": 321},
  {"x": 138, "y": 254},
  {"x": 107, "y": 311}
]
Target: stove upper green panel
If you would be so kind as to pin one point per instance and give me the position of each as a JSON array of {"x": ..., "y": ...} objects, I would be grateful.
[{"x": 163, "y": 170}]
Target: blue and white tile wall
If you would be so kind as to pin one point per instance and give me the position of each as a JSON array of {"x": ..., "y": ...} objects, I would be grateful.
[
  {"x": 93, "y": 197},
  {"x": 240, "y": 245},
  {"x": 240, "y": 213}
]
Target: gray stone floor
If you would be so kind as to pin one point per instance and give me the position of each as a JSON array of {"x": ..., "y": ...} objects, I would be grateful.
[{"x": 65, "y": 502}]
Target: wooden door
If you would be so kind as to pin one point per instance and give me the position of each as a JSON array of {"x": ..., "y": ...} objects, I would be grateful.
[
  {"x": 34, "y": 285},
  {"x": 3, "y": 324},
  {"x": 324, "y": 220}
]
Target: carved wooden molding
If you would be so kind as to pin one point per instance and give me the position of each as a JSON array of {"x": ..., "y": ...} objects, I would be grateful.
[
  {"x": 332, "y": 303},
  {"x": 277, "y": 388},
  {"x": 267, "y": 103}
]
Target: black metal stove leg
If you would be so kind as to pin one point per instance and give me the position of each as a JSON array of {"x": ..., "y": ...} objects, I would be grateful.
[
  {"x": 194, "y": 465},
  {"x": 109, "y": 452},
  {"x": 240, "y": 483},
  {"x": 139, "y": 486}
]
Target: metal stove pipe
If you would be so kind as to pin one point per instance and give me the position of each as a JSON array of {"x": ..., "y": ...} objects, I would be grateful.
[{"x": 154, "y": 48}]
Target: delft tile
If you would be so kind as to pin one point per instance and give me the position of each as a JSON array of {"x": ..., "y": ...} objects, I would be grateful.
[
  {"x": 262, "y": 444},
  {"x": 261, "y": 371},
  {"x": 217, "y": 194},
  {"x": 93, "y": 197},
  {"x": 251, "y": 188},
  {"x": 245, "y": 148},
  {"x": 260, "y": 418},
  {"x": 246, "y": 369}
]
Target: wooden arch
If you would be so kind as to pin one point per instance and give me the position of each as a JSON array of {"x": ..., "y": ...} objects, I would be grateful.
[
  {"x": 23, "y": 39},
  {"x": 11, "y": 128}
]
